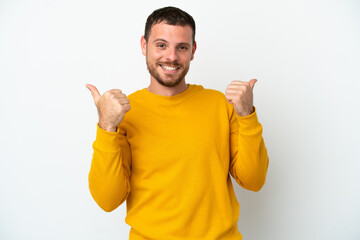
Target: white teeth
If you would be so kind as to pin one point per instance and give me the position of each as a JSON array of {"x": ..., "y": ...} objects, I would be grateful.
[{"x": 168, "y": 67}]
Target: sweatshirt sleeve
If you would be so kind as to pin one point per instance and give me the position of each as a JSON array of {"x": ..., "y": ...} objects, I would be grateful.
[
  {"x": 110, "y": 169},
  {"x": 249, "y": 159}
]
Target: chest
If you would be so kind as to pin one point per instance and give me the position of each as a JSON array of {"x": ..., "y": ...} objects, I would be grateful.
[{"x": 171, "y": 139}]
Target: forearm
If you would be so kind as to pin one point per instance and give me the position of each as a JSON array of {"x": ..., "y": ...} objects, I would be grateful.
[
  {"x": 108, "y": 182},
  {"x": 249, "y": 167}
]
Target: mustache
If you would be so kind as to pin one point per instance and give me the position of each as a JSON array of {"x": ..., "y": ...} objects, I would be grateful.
[{"x": 171, "y": 64}]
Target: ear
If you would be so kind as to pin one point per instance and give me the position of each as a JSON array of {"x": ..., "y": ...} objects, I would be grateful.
[
  {"x": 193, "y": 51},
  {"x": 143, "y": 45}
]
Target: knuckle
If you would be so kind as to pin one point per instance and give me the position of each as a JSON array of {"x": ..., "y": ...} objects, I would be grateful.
[
  {"x": 114, "y": 92},
  {"x": 109, "y": 93},
  {"x": 243, "y": 88}
]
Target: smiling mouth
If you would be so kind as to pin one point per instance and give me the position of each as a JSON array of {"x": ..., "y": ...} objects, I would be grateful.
[{"x": 169, "y": 68}]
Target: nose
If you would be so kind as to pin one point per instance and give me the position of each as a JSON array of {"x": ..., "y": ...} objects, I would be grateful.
[{"x": 172, "y": 55}]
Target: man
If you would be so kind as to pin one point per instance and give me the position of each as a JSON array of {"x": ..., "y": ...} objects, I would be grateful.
[{"x": 169, "y": 155}]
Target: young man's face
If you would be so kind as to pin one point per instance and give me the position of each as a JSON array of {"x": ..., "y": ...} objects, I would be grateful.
[{"x": 168, "y": 52}]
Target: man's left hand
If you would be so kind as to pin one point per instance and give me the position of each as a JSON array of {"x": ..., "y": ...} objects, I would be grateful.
[{"x": 240, "y": 94}]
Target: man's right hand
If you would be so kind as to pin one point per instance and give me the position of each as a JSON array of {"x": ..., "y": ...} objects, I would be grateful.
[{"x": 112, "y": 107}]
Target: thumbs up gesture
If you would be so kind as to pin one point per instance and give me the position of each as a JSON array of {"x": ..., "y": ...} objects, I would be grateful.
[
  {"x": 240, "y": 94},
  {"x": 111, "y": 106}
]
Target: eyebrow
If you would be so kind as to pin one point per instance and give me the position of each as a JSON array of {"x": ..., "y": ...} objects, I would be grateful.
[
  {"x": 163, "y": 40},
  {"x": 159, "y": 39}
]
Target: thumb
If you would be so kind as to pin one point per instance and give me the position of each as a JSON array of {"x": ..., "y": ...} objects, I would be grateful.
[
  {"x": 94, "y": 92},
  {"x": 252, "y": 83}
]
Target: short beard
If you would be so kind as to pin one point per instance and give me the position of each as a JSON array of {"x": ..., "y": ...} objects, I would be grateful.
[{"x": 155, "y": 74}]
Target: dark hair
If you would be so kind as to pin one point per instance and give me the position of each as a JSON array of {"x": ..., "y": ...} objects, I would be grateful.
[{"x": 169, "y": 15}]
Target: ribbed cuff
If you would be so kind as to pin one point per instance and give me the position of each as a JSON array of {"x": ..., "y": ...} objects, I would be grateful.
[
  {"x": 107, "y": 140},
  {"x": 248, "y": 122}
]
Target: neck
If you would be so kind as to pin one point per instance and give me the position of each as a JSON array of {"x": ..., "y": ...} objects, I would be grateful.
[{"x": 159, "y": 89}]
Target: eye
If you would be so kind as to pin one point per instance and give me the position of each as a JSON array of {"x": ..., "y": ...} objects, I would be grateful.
[
  {"x": 161, "y": 45},
  {"x": 183, "y": 48}
]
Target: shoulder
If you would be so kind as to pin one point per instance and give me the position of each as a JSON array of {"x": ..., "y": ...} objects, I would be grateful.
[
  {"x": 136, "y": 95},
  {"x": 214, "y": 99},
  {"x": 209, "y": 93}
]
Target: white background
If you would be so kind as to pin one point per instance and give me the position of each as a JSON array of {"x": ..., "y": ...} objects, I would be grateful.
[{"x": 305, "y": 55}]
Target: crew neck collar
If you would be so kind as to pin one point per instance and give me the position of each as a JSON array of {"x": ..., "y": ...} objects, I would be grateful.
[{"x": 162, "y": 98}]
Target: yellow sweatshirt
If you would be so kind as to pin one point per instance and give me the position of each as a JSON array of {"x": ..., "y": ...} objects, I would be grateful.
[{"x": 170, "y": 159}]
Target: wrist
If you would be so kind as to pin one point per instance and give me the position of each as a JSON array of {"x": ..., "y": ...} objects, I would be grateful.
[
  {"x": 245, "y": 113},
  {"x": 107, "y": 127}
]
